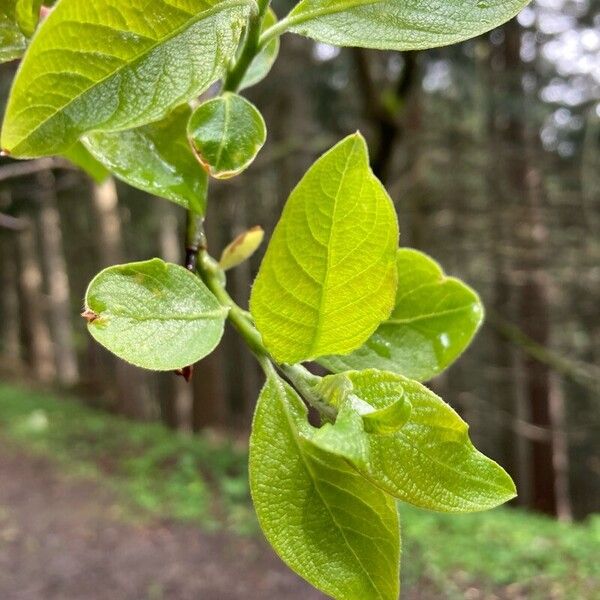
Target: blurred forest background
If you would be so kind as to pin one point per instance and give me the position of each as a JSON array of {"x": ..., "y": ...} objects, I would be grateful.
[{"x": 491, "y": 152}]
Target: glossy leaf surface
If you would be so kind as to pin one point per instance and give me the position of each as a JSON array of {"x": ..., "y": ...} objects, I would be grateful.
[
  {"x": 434, "y": 319},
  {"x": 156, "y": 158},
  {"x": 226, "y": 133},
  {"x": 399, "y": 24},
  {"x": 79, "y": 155},
  {"x": 116, "y": 64},
  {"x": 323, "y": 519},
  {"x": 154, "y": 314},
  {"x": 328, "y": 278},
  {"x": 28, "y": 15},
  {"x": 12, "y": 41},
  {"x": 430, "y": 462}
]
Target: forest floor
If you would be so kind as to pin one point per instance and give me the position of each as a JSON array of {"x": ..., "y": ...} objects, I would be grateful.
[
  {"x": 93, "y": 507},
  {"x": 65, "y": 539}
]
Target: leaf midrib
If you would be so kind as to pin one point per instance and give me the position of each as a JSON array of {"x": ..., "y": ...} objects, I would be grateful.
[
  {"x": 218, "y": 7},
  {"x": 316, "y": 487},
  {"x": 212, "y": 314},
  {"x": 319, "y": 324}
]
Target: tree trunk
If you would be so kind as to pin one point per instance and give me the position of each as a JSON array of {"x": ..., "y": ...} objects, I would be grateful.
[
  {"x": 130, "y": 382},
  {"x": 57, "y": 281},
  {"x": 532, "y": 292},
  {"x": 9, "y": 284},
  {"x": 33, "y": 307},
  {"x": 176, "y": 395}
]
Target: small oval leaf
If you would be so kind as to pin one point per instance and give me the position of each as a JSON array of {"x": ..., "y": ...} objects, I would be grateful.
[
  {"x": 226, "y": 133},
  {"x": 156, "y": 158},
  {"x": 154, "y": 314}
]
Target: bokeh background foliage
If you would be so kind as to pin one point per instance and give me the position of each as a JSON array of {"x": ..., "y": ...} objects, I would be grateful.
[{"x": 490, "y": 151}]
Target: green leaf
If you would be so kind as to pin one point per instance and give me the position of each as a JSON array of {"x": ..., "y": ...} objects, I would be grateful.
[
  {"x": 430, "y": 462},
  {"x": 325, "y": 521},
  {"x": 156, "y": 158},
  {"x": 226, "y": 133},
  {"x": 338, "y": 390},
  {"x": 261, "y": 65},
  {"x": 154, "y": 314},
  {"x": 328, "y": 278},
  {"x": 399, "y": 25},
  {"x": 12, "y": 41},
  {"x": 79, "y": 156},
  {"x": 116, "y": 64},
  {"x": 433, "y": 322},
  {"x": 345, "y": 438},
  {"x": 28, "y": 15}
]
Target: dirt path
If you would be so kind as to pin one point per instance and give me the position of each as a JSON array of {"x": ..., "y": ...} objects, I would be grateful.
[{"x": 61, "y": 539}]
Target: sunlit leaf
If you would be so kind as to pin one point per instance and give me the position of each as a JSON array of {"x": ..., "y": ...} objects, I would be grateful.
[
  {"x": 430, "y": 462},
  {"x": 323, "y": 519},
  {"x": 328, "y": 278},
  {"x": 434, "y": 320},
  {"x": 116, "y": 64}
]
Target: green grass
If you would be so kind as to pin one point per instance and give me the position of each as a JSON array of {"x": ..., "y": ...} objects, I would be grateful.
[
  {"x": 204, "y": 480},
  {"x": 174, "y": 476}
]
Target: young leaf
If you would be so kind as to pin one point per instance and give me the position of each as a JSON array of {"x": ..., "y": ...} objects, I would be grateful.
[
  {"x": 116, "y": 64},
  {"x": 28, "y": 15},
  {"x": 328, "y": 278},
  {"x": 156, "y": 158},
  {"x": 399, "y": 25},
  {"x": 393, "y": 406},
  {"x": 154, "y": 315},
  {"x": 433, "y": 322},
  {"x": 226, "y": 133},
  {"x": 345, "y": 438},
  {"x": 12, "y": 41},
  {"x": 261, "y": 65},
  {"x": 325, "y": 521},
  {"x": 79, "y": 156},
  {"x": 242, "y": 248},
  {"x": 430, "y": 462}
]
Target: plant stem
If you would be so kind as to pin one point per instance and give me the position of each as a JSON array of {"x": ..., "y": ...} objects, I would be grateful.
[
  {"x": 212, "y": 275},
  {"x": 304, "y": 381},
  {"x": 251, "y": 48},
  {"x": 198, "y": 259},
  {"x": 194, "y": 239},
  {"x": 273, "y": 32}
]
